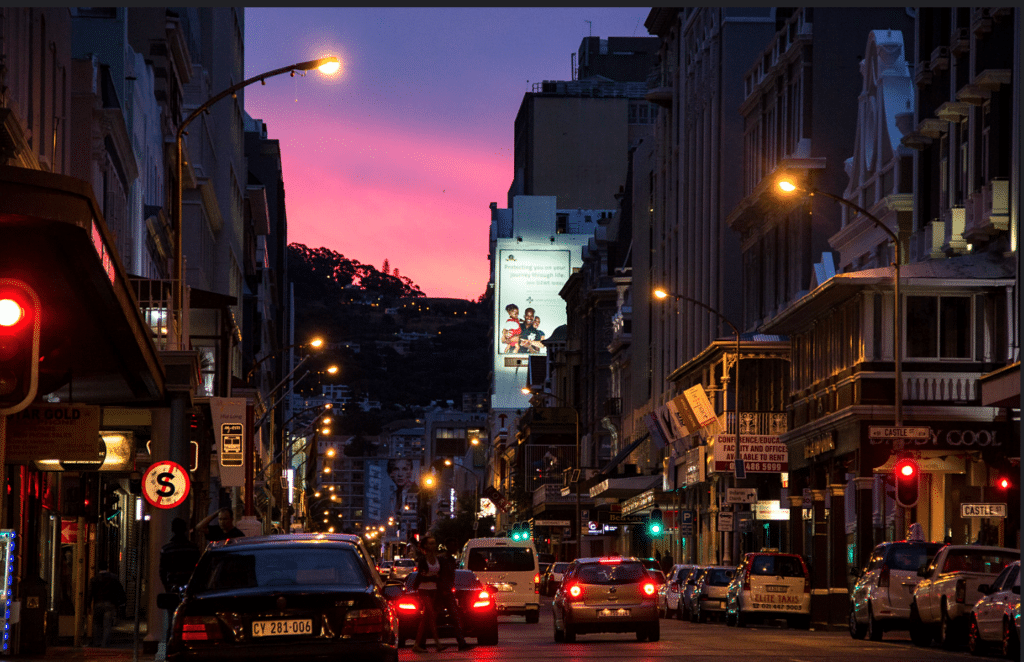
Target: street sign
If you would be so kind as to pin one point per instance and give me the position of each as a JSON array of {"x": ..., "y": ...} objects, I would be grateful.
[
  {"x": 904, "y": 432},
  {"x": 982, "y": 510},
  {"x": 725, "y": 521},
  {"x": 741, "y": 494},
  {"x": 551, "y": 522},
  {"x": 165, "y": 484},
  {"x": 686, "y": 522}
]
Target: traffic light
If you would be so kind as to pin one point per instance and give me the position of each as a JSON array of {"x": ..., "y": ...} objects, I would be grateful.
[
  {"x": 655, "y": 526},
  {"x": 1004, "y": 483},
  {"x": 20, "y": 314},
  {"x": 110, "y": 502},
  {"x": 520, "y": 531},
  {"x": 908, "y": 476}
]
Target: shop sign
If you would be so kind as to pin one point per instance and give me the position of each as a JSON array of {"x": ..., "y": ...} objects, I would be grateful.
[
  {"x": 769, "y": 510},
  {"x": 641, "y": 501},
  {"x": 65, "y": 432},
  {"x": 945, "y": 439},
  {"x": 982, "y": 510},
  {"x": 762, "y": 453},
  {"x": 699, "y": 404}
]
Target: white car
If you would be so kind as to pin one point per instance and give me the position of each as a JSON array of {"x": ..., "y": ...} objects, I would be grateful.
[
  {"x": 553, "y": 579},
  {"x": 511, "y": 567},
  {"x": 770, "y": 584},
  {"x": 987, "y": 621},
  {"x": 676, "y": 584},
  {"x": 881, "y": 597},
  {"x": 402, "y": 567}
]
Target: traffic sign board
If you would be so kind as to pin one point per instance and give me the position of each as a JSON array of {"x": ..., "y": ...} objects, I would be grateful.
[
  {"x": 165, "y": 484},
  {"x": 904, "y": 432},
  {"x": 982, "y": 510}
]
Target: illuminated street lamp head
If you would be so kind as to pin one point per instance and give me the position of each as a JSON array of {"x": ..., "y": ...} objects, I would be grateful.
[
  {"x": 526, "y": 390},
  {"x": 660, "y": 293},
  {"x": 316, "y": 343},
  {"x": 428, "y": 481},
  {"x": 787, "y": 185},
  {"x": 316, "y": 494},
  {"x": 328, "y": 65},
  {"x": 332, "y": 370},
  {"x": 330, "y": 452},
  {"x": 326, "y": 420},
  {"x": 329, "y": 405},
  {"x": 327, "y": 470},
  {"x": 475, "y": 441},
  {"x": 447, "y": 462},
  {"x": 326, "y": 431}
]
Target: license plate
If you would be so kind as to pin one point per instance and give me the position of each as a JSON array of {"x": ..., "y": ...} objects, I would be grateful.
[
  {"x": 613, "y": 612},
  {"x": 284, "y": 627},
  {"x": 503, "y": 588},
  {"x": 777, "y": 589}
]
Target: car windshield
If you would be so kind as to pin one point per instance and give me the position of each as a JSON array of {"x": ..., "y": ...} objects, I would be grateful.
[
  {"x": 777, "y": 566},
  {"x": 911, "y": 556},
  {"x": 600, "y": 573},
  {"x": 501, "y": 559},
  {"x": 719, "y": 576},
  {"x": 978, "y": 560},
  {"x": 282, "y": 566}
]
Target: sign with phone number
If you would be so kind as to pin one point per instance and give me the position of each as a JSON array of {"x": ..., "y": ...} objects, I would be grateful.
[{"x": 760, "y": 453}]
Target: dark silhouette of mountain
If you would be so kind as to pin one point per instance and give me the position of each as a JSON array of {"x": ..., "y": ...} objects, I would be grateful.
[{"x": 392, "y": 343}]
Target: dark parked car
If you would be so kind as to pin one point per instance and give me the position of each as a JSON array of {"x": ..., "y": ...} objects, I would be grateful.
[
  {"x": 479, "y": 611},
  {"x": 282, "y": 597}
]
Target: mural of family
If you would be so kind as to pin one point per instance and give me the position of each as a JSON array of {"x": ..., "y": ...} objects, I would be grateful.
[{"x": 522, "y": 336}]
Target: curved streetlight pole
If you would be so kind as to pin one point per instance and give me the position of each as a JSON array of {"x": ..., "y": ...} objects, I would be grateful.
[
  {"x": 327, "y": 65},
  {"x": 662, "y": 294},
  {"x": 316, "y": 343},
  {"x": 788, "y": 186},
  {"x": 578, "y": 470}
]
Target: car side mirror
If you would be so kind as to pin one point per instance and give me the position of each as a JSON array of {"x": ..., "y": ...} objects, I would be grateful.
[
  {"x": 169, "y": 601},
  {"x": 392, "y": 591}
]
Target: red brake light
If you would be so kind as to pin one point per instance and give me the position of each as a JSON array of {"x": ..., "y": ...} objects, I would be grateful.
[
  {"x": 408, "y": 605},
  {"x": 883, "y": 577},
  {"x": 650, "y": 588},
  {"x": 611, "y": 559},
  {"x": 483, "y": 599},
  {"x": 575, "y": 592},
  {"x": 201, "y": 628}
]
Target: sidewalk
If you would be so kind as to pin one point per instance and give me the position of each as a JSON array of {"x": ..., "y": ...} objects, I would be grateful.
[{"x": 121, "y": 648}]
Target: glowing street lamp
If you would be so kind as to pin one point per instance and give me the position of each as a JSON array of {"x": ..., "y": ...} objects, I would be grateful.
[{"x": 788, "y": 185}]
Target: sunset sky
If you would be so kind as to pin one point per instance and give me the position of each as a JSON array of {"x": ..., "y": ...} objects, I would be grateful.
[{"x": 399, "y": 155}]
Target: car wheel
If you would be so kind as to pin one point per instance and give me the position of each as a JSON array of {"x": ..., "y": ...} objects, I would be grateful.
[
  {"x": 533, "y": 616},
  {"x": 857, "y": 631},
  {"x": 641, "y": 634},
  {"x": 1011, "y": 646},
  {"x": 947, "y": 630},
  {"x": 654, "y": 632},
  {"x": 874, "y": 627},
  {"x": 919, "y": 632},
  {"x": 569, "y": 633},
  {"x": 973, "y": 637}
]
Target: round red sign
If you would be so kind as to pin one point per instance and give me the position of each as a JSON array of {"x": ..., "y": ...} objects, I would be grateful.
[{"x": 165, "y": 484}]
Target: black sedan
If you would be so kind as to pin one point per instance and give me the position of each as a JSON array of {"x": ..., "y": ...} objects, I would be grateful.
[
  {"x": 478, "y": 611},
  {"x": 285, "y": 597}
]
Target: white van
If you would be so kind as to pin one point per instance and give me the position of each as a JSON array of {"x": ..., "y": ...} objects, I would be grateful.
[{"x": 511, "y": 568}]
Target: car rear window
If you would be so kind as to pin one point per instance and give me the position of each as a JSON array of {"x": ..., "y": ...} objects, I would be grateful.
[
  {"x": 777, "y": 566},
  {"x": 501, "y": 559},
  {"x": 405, "y": 563},
  {"x": 559, "y": 568},
  {"x": 910, "y": 556},
  {"x": 601, "y": 573},
  {"x": 258, "y": 568},
  {"x": 719, "y": 577},
  {"x": 978, "y": 560}
]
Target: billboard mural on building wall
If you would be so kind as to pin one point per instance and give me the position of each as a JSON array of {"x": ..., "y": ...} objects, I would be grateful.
[
  {"x": 401, "y": 488},
  {"x": 529, "y": 307}
]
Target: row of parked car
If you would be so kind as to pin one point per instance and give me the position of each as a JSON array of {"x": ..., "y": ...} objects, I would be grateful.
[{"x": 952, "y": 594}]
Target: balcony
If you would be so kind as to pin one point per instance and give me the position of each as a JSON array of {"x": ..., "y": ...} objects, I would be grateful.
[
  {"x": 922, "y": 73},
  {"x": 939, "y": 60},
  {"x": 988, "y": 211},
  {"x": 955, "y": 221},
  {"x": 622, "y": 329},
  {"x": 552, "y": 493},
  {"x": 941, "y": 387},
  {"x": 756, "y": 422}
]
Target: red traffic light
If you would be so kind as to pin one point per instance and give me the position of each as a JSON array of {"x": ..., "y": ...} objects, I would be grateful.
[
  {"x": 907, "y": 482},
  {"x": 19, "y": 345},
  {"x": 1003, "y": 483},
  {"x": 12, "y": 311}
]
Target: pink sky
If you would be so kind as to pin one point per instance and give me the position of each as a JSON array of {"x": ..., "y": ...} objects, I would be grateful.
[{"x": 400, "y": 155}]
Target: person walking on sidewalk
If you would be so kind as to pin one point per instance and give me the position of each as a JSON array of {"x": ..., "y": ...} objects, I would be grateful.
[
  {"x": 107, "y": 596},
  {"x": 428, "y": 568},
  {"x": 178, "y": 557}
]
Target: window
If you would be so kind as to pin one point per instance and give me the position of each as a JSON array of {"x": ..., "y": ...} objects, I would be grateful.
[{"x": 941, "y": 327}]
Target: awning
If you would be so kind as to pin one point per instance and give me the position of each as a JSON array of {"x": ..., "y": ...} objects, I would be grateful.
[
  {"x": 623, "y": 487},
  {"x": 95, "y": 347},
  {"x": 623, "y": 454},
  {"x": 1001, "y": 388}
]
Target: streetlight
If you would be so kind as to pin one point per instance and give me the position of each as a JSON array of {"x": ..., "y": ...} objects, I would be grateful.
[
  {"x": 526, "y": 390},
  {"x": 316, "y": 343},
  {"x": 660, "y": 293},
  {"x": 788, "y": 186},
  {"x": 326, "y": 65}
]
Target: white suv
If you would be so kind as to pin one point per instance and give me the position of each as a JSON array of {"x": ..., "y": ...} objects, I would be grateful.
[
  {"x": 884, "y": 591},
  {"x": 510, "y": 567}
]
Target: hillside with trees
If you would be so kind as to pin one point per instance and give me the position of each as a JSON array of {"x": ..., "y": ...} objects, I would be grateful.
[{"x": 393, "y": 344}]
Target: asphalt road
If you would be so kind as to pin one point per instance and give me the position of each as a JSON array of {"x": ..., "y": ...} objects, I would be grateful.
[{"x": 689, "y": 641}]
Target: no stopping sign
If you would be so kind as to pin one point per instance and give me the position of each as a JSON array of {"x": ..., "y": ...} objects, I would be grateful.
[{"x": 165, "y": 484}]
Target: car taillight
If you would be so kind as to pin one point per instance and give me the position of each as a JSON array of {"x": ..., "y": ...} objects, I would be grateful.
[
  {"x": 536, "y": 583},
  {"x": 746, "y": 579},
  {"x": 408, "y": 605},
  {"x": 650, "y": 589},
  {"x": 575, "y": 592},
  {"x": 483, "y": 599},
  {"x": 363, "y": 621},
  {"x": 883, "y": 577},
  {"x": 201, "y": 628},
  {"x": 807, "y": 584},
  {"x": 961, "y": 590}
]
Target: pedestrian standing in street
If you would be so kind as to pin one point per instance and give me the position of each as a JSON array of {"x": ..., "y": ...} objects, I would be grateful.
[
  {"x": 428, "y": 568},
  {"x": 445, "y": 599},
  {"x": 178, "y": 557},
  {"x": 667, "y": 562},
  {"x": 107, "y": 595},
  {"x": 223, "y": 529}
]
